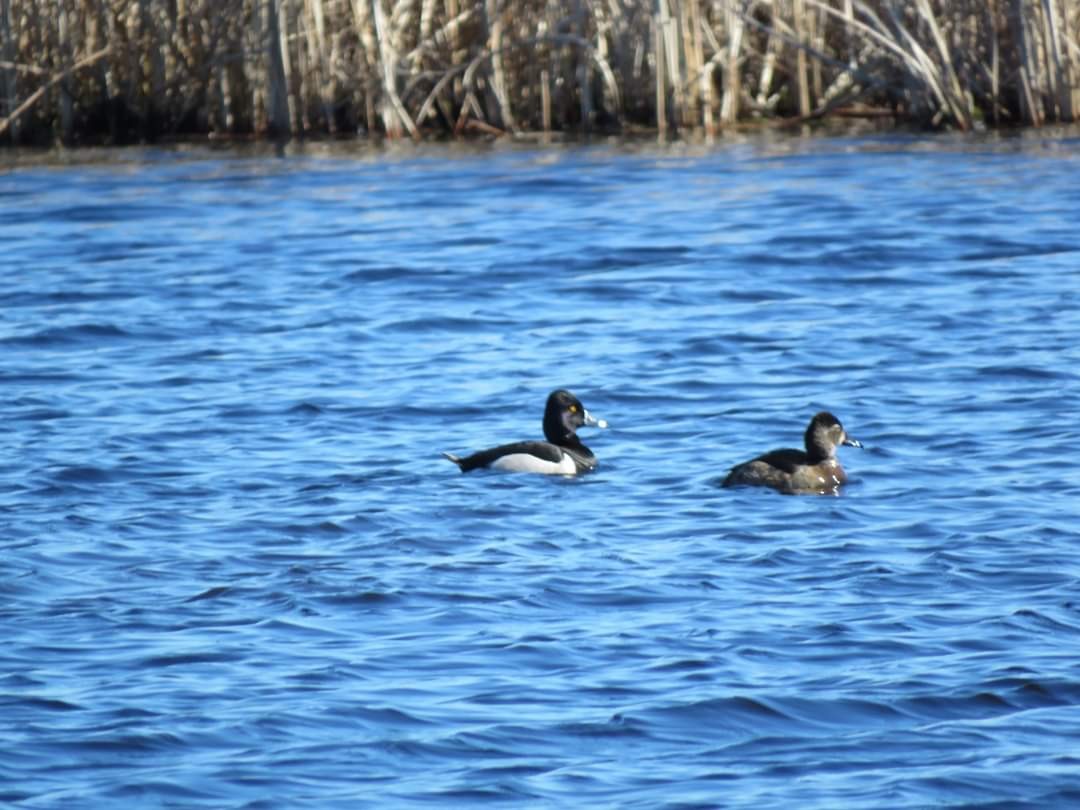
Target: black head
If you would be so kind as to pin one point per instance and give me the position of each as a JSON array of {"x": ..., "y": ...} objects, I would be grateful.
[
  {"x": 824, "y": 435},
  {"x": 563, "y": 415}
]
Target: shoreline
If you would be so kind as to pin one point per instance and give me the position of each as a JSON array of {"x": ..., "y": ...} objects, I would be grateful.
[{"x": 768, "y": 140}]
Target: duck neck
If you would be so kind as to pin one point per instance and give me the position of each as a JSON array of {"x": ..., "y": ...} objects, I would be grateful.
[
  {"x": 818, "y": 448},
  {"x": 577, "y": 447},
  {"x": 562, "y": 437},
  {"x": 557, "y": 433}
]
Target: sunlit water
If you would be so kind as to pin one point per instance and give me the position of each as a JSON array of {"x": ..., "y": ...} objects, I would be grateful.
[{"x": 236, "y": 571}]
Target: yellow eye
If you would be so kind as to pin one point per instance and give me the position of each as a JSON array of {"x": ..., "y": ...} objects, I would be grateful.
[{"x": 573, "y": 409}]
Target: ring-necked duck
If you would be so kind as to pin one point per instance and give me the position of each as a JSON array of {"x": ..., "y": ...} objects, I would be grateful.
[
  {"x": 562, "y": 453},
  {"x": 815, "y": 471}
]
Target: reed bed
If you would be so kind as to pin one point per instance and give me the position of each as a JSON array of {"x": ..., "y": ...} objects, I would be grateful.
[{"x": 126, "y": 70}]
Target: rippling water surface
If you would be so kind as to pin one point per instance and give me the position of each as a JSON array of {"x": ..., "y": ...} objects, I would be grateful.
[{"x": 236, "y": 572}]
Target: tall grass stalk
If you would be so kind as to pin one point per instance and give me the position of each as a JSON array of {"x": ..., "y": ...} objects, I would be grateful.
[{"x": 122, "y": 70}]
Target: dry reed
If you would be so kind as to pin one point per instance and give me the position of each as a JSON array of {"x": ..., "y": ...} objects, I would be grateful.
[{"x": 124, "y": 70}]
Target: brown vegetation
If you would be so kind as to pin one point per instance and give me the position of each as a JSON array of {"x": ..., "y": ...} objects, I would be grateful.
[{"x": 124, "y": 70}]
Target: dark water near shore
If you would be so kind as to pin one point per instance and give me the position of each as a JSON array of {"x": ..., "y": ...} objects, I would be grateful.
[{"x": 235, "y": 571}]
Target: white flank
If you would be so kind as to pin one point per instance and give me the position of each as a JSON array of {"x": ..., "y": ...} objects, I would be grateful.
[{"x": 523, "y": 462}]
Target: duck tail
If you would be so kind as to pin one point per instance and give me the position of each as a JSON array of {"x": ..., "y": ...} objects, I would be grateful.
[{"x": 456, "y": 460}]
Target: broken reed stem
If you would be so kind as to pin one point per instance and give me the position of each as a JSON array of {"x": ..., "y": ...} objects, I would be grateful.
[
  {"x": 277, "y": 78},
  {"x": 729, "y": 105},
  {"x": 34, "y": 97},
  {"x": 545, "y": 100},
  {"x": 395, "y": 116},
  {"x": 9, "y": 82},
  {"x": 498, "y": 69},
  {"x": 801, "y": 34},
  {"x": 317, "y": 44},
  {"x": 661, "y": 77},
  {"x": 286, "y": 67}
]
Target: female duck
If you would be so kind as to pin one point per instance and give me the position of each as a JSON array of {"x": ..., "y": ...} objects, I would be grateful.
[
  {"x": 562, "y": 453},
  {"x": 815, "y": 471}
]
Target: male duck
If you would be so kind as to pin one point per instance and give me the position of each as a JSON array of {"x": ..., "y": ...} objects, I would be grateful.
[{"x": 562, "y": 453}]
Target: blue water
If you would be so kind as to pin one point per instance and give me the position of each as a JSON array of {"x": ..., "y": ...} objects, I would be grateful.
[{"x": 236, "y": 572}]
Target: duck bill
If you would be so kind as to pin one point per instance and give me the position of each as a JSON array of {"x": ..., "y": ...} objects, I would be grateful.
[
  {"x": 850, "y": 442},
  {"x": 592, "y": 421}
]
